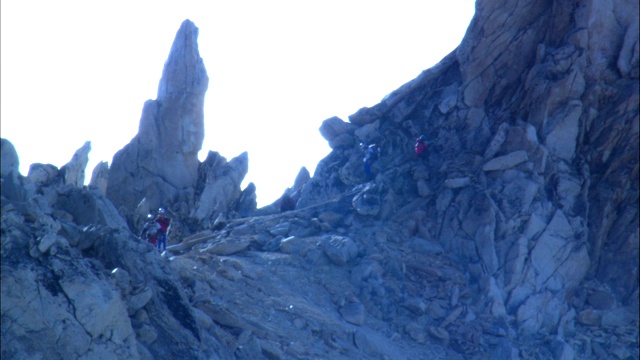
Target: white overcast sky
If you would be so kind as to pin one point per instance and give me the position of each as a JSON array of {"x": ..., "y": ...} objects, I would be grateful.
[{"x": 76, "y": 71}]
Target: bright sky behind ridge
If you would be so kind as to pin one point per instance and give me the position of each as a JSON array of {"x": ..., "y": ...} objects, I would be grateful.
[{"x": 76, "y": 71}]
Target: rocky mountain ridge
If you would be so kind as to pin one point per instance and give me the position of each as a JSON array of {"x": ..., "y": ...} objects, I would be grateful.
[{"x": 515, "y": 238}]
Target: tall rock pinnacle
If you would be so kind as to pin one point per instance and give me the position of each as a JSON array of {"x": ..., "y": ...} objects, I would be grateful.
[{"x": 162, "y": 159}]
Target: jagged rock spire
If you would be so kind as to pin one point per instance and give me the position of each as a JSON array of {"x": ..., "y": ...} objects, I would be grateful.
[{"x": 162, "y": 158}]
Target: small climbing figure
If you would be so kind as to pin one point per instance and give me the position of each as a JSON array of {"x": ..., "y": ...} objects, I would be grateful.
[
  {"x": 164, "y": 224},
  {"x": 421, "y": 147},
  {"x": 287, "y": 203},
  {"x": 371, "y": 154},
  {"x": 150, "y": 231}
]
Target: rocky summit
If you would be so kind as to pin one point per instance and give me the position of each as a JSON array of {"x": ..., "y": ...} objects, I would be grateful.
[{"x": 515, "y": 236}]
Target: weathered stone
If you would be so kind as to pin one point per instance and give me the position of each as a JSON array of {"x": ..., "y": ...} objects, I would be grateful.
[
  {"x": 555, "y": 253},
  {"x": 353, "y": 313},
  {"x": 367, "y": 132},
  {"x": 334, "y": 127},
  {"x": 221, "y": 185},
  {"x": 339, "y": 249},
  {"x": 366, "y": 344},
  {"x": 621, "y": 316},
  {"x": 123, "y": 280},
  {"x": 457, "y": 182},
  {"x": 342, "y": 141},
  {"x": 540, "y": 311},
  {"x": 427, "y": 247},
  {"x": 561, "y": 139},
  {"x": 364, "y": 116},
  {"x": 281, "y": 229},
  {"x": 42, "y": 174},
  {"x": 415, "y": 305},
  {"x": 506, "y": 161},
  {"x": 73, "y": 171},
  {"x": 298, "y": 245},
  {"x": 449, "y": 98},
  {"x": 367, "y": 202},
  {"x": 89, "y": 208},
  {"x": 535, "y": 226},
  {"x": 46, "y": 242},
  {"x": 247, "y": 202},
  {"x": 559, "y": 225},
  {"x": 439, "y": 333},
  {"x": 139, "y": 300},
  {"x": 367, "y": 269},
  {"x": 229, "y": 273},
  {"x": 590, "y": 317},
  {"x": 100, "y": 177},
  {"x": 97, "y": 308},
  {"x": 497, "y": 141},
  {"x": 226, "y": 246},
  {"x": 568, "y": 189},
  {"x": 436, "y": 310}
]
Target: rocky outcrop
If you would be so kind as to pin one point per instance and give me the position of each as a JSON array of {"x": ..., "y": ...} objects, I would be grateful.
[
  {"x": 76, "y": 283},
  {"x": 515, "y": 237},
  {"x": 100, "y": 177},
  {"x": 162, "y": 159},
  {"x": 521, "y": 187},
  {"x": 221, "y": 187},
  {"x": 160, "y": 167},
  {"x": 74, "y": 170}
]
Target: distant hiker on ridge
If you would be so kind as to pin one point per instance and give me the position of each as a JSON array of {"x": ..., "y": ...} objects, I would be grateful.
[
  {"x": 421, "y": 147},
  {"x": 164, "y": 223},
  {"x": 371, "y": 154},
  {"x": 287, "y": 203}
]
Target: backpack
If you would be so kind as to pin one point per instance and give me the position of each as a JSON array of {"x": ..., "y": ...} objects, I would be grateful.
[{"x": 153, "y": 228}]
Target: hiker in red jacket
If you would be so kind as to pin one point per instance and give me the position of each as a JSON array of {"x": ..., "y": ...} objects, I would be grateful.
[
  {"x": 421, "y": 147},
  {"x": 287, "y": 203},
  {"x": 164, "y": 224}
]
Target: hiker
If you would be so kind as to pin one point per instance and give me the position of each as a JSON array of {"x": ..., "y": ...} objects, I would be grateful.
[
  {"x": 150, "y": 231},
  {"x": 287, "y": 203},
  {"x": 421, "y": 147},
  {"x": 371, "y": 154},
  {"x": 164, "y": 223}
]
